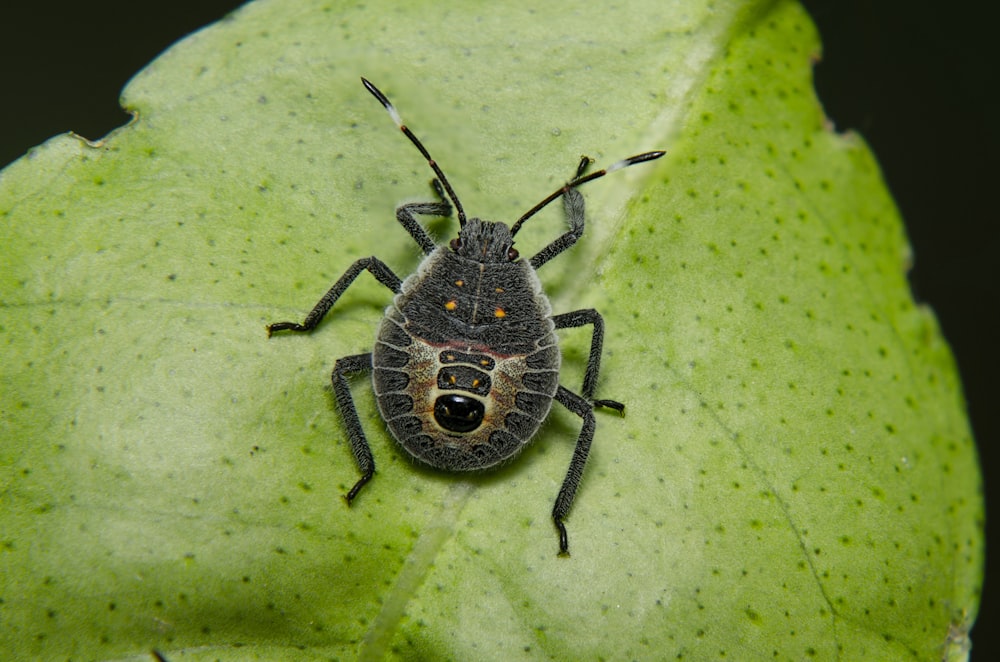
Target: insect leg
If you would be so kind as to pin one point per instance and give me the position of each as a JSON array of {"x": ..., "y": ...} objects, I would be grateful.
[
  {"x": 374, "y": 266},
  {"x": 405, "y": 215},
  {"x": 345, "y": 403},
  {"x": 573, "y": 206},
  {"x": 582, "y": 408},
  {"x": 582, "y": 318}
]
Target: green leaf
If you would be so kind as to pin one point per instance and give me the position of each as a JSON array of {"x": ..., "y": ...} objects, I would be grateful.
[{"x": 795, "y": 477}]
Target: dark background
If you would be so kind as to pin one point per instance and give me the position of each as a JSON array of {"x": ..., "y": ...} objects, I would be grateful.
[{"x": 911, "y": 77}]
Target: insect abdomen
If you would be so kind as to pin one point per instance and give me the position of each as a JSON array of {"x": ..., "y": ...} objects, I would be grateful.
[{"x": 460, "y": 403}]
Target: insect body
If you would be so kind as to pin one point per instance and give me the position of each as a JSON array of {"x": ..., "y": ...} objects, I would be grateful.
[{"x": 466, "y": 360}]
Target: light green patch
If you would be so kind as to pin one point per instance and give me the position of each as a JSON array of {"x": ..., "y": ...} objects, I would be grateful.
[{"x": 794, "y": 479}]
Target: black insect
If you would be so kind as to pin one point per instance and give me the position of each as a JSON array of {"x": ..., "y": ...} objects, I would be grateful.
[{"x": 466, "y": 359}]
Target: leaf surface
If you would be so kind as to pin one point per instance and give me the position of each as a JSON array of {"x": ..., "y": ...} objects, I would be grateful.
[{"x": 795, "y": 477}]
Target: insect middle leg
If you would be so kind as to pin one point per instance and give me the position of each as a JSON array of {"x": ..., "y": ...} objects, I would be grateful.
[
  {"x": 373, "y": 265},
  {"x": 582, "y": 318}
]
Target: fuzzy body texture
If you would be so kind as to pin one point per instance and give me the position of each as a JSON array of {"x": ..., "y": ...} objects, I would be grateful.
[{"x": 479, "y": 330}]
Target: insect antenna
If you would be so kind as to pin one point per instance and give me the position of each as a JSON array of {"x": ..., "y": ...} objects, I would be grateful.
[
  {"x": 580, "y": 180},
  {"x": 377, "y": 93}
]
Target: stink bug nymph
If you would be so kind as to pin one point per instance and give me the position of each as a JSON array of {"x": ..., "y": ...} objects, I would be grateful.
[{"x": 466, "y": 360}]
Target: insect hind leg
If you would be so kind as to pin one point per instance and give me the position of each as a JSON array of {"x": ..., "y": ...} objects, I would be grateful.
[
  {"x": 564, "y": 501},
  {"x": 345, "y": 403}
]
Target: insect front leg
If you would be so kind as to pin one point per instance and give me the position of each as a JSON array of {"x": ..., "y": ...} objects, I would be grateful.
[
  {"x": 582, "y": 318},
  {"x": 564, "y": 501},
  {"x": 345, "y": 403},
  {"x": 373, "y": 265},
  {"x": 405, "y": 214},
  {"x": 573, "y": 206}
]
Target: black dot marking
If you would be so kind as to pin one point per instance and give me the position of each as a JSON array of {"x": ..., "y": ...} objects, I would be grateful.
[{"x": 458, "y": 413}]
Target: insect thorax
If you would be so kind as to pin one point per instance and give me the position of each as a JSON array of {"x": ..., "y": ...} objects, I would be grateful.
[{"x": 466, "y": 361}]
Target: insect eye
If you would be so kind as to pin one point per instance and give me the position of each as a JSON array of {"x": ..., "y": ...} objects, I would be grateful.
[
  {"x": 512, "y": 254},
  {"x": 455, "y": 244}
]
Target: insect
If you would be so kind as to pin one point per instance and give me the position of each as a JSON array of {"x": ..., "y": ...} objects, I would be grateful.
[{"x": 466, "y": 361}]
